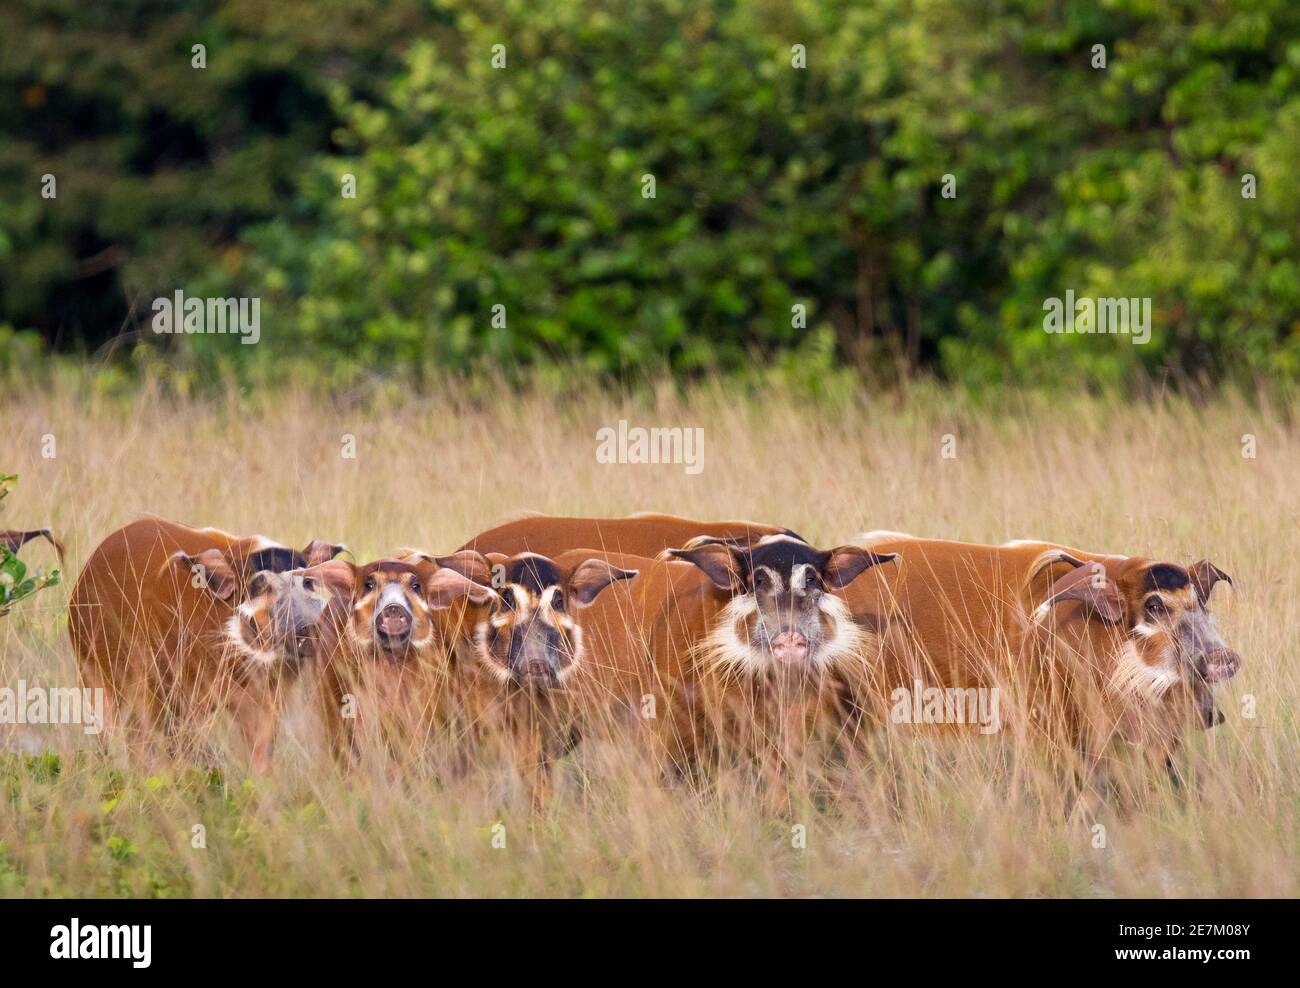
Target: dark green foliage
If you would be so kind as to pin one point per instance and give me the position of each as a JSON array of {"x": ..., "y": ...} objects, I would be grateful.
[
  {"x": 160, "y": 164},
  {"x": 775, "y": 186}
]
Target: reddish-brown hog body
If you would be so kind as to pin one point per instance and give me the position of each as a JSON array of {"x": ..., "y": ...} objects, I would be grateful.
[
  {"x": 1060, "y": 632},
  {"x": 638, "y": 535},
  {"x": 957, "y": 611},
  {"x": 643, "y": 642},
  {"x": 155, "y": 632},
  {"x": 399, "y": 702},
  {"x": 1125, "y": 649},
  {"x": 669, "y": 661}
]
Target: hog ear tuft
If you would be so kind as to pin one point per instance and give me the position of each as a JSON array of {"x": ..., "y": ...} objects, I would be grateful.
[
  {"x": 339, "y": 577},
  {"x": 735, "y": 541},
  {"x": 14, "y": 540},
  {"x": 469, "y": 564},
  {"x": 1204, "y": 576},
  {"x": 1044, "y": 571},
  {"x": 1050, "y": 558},
  {"x": 718, "y": 561},
  {"x": 1090, "y": 585},
  {"x": 218, "y": 578},
  {"x": 844, "y": 564},
  {"x": 407, "y": 554},
  {"x": 319, "y": 551},
  {"x": 445, "y": 586},
  {"x": 594, "y": 575}
]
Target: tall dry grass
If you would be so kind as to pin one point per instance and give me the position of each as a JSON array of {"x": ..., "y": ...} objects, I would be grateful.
[{"x": 921, "y": 816}]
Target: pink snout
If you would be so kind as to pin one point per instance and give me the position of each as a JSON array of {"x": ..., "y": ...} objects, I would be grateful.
[
  {"x": 394, "y": 621},
  {"x": 1220, "y": 665},
  {"x": 790, "y": 647}
]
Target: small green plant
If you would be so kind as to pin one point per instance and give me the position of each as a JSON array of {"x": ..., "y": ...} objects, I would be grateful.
[{"x": 16, "y": 580}]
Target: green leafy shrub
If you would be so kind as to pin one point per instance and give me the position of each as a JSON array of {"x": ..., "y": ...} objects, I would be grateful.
[
  {"x": 500, "y": 221},
  {"x": 499, "y": 216}
]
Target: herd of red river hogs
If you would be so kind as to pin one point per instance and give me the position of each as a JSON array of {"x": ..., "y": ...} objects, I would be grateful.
[{"x": 683, "y": 641}]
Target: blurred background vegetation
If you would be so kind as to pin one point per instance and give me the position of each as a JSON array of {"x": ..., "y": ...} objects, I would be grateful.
[{"x": 775, "y": 186}]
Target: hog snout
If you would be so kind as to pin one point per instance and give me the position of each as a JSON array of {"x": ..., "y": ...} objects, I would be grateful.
[
  {"x": 537, "y": 656},
  {"x": 1219, "y": 665},
  {"x": 538, "y": 672},
  {"x": 295, "y": 625},
  {"x": 394, "y": 618},
  {"x": 300, "y": 640},
  {"x": 393, "y": 621},
  {"x": 790, "y": 647}
]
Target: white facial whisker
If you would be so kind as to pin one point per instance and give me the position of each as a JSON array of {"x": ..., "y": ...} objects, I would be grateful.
[
  {"x": 574, "y": 660},
  {"x": 846, "y": 638},
  {"x": 723, "y": 647},
  {"x": 481, "y": 652},
  {"x": 1134, "y": 677},
  {"x": 259, "y": 657}
]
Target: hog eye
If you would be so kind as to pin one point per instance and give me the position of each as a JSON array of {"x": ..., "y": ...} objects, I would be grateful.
[
  {"x": 557, "y": 601},
  {"x": 370, "y": 584},
  {"x": 506, "y": 601},
  {"x": 762, "y": 581},
  {"x": 1156, "y": 607},
  {"x": 308, "y": 584}
]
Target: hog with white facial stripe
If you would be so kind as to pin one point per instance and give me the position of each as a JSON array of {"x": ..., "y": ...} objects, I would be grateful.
[
  {"x": 736, "y": 648},
  {"x": 782, "y": 617},
  {"x": 177, "y": 624},
  {"x": 516, "y": 672},
  {"x": 1134, "y": 651},
  {"x": 531, "y": 637},
  {"x": 1086, "y": 648},
  {"x": 392, "y": 626}
]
